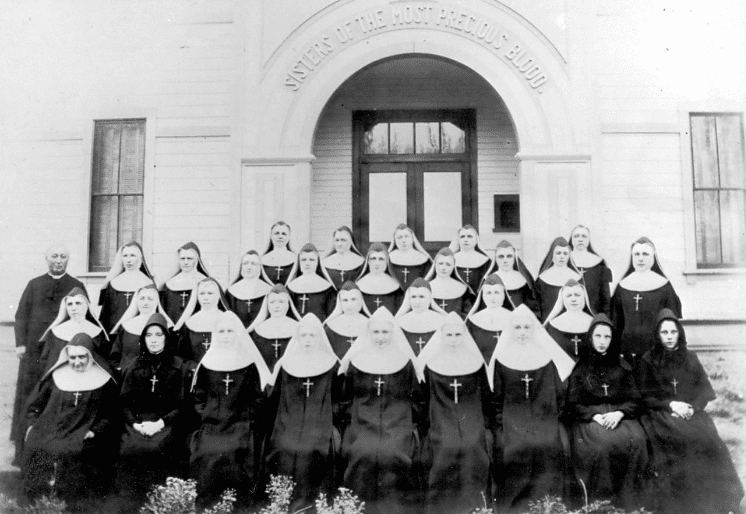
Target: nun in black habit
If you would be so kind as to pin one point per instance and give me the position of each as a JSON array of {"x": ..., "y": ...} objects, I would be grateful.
[
  {"x": 348, "y": 320},
  {"x": 596, "y": 274},
  {"x": 246, "y": 294},
  {"x": 310, "y": 287},
  {"x": 518, "y": 280},
  {"x": 472, "y": 263},
  {"x": 409, "y": 259},
  {"x": 278, "y": 258},
  {"x": 490, "y": 315},
  {"x": 556, "y": 269},
  {"x": 177, "y": 290},
  {"x": 341, "y": 259},
  {"x": 378, "y": 281},
  {"x": 419, "y": 316},
  {"x": 274, "y": 325}
]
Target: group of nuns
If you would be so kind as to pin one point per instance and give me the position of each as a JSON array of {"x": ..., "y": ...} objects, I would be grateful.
[{"x": 423, "y": 385}]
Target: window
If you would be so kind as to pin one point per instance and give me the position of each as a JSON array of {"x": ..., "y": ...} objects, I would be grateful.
[
  {"x": 401, "y": 138},
  {"x": 507, "y": 213},
  {"x": 116, "y": 189}
]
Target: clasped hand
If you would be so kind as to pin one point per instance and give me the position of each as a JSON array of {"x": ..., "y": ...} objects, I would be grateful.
[
  {"x": 149, "y": 428},
  {"x": 610, "y": 420},
  {"x": 681, "y": 410}
]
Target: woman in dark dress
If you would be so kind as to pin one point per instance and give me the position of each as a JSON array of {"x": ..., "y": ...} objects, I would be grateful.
[
  {"x": 638, "y": 298},
  {"x": 154, "y": 405},
  {"x": 311, "y": 289},
  {"x": 528, "y": 370},
  {"x": 348, "y": 320},
  {"x": 342, "y": 260},
  {"x": 570, "y": 319},
  {"x": 274, "y": 325},
  {"x": 490, "y": 315},
  {"x": 246, "y": 293},
  {"x": 419, "y": 316},
  {"x": 128, "y": 274},
  {"x": 517, "y": 278},
  {"x": 279, "y": 258},
  {"x": 556, "y": 269},
  {"x": 383, "y": 409},
  {"x": 450, "y": 291},
  {"x": 409, "y": 260},
  {"x": 305, "y": 399},
  {"x": 378, "y": 281},
  {"x": 228, "y": 391},
  {"x": 609, "y": 446},
  {"x": 472, "y": 263},
  {"x": 596, "y": 274},
  {"x": 460, "y": 412},
  {"x": 176, "y": 291},
  {"x": 693, "y": 469}
]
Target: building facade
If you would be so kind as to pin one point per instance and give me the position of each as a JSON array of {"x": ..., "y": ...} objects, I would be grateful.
[{"x": 167, "y": 121}]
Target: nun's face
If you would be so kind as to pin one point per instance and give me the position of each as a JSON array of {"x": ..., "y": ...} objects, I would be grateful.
[
  {"x": 561, "y": 255},
  {"x": 381, "y": 333},
  {"x": 420, "y": 298},
  {"x": 131, "y": 258},
  {"x": 493, "y": 295},
  {"x": 155, "y": 339},
  {"x": 377, "y": 263},
  {"x": 643, "y": 256},
  {"x": 147, "y": 300},
  {"x": 467, "y": 239},
  {"x": 280, "y": 236},
  {"x": 309, "y": 261},
  {"x": 523, "y": 328},
  {"x": 669, "y": 334},
  {"x": 580, "y": 238},
  {"x": 601, "y": 338},
  {"x": 225, "y": 332},
  {"x": 250, "y": 266},
  {"x": 453, "y": 336},
  {"x": 351, "y": 301},
  {"x": 78, "y": 358},
  {"x": 76, "y": 306},
  {"x": 505, "y": 258},
  {"x": 403, "y": 239},
  {"x": 188, "y": 259},
  {"x": 572, "y": 298},
  {"x": 342, "y": 242},
  {"x": 208, "y": 294},
  {"x": 309, "y": 338},
  {"x": 444, "y": 265},
  {"x": 278, "y": 304}
]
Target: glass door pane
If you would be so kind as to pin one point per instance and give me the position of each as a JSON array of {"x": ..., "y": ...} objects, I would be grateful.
[
  {"x": 441, "y": 205},
  {"x": 387, "y": 206}
]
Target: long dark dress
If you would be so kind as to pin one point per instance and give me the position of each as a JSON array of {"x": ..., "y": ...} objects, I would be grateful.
[
  {"x": 339, "y": 277},
  {"x": 154, "y": 387},
  {"x": 573, "y": 344},
  {"x": 380, "y": 446},
  {"x": 636, "y": 322},
  {"x": 174, "y": 302},
  {"x": 486, "y": 339},
  {"x": 113, "y": 303},
  {"x": 278, "y": 274},
  {"x": 694, "y": 471},
  {"x": 458, "y": 442},
  {"x": 270, "y": 348},
  {"x": 223, "y": 449},
  {"x": 246, "y": 310},
  {"x": 56, "y": 448},
  {"x": 529, "y": 457},
  {"x": 37, "y": 309},
  {"x": 124, "y": 349},
  {"x": 418, "y": 340},
  {"x": 473, "y": 276},
  {"x": 301, "y": 445},
  {"x": 392, "y": 301},
  {"x": 320, "y": 303},
  {"x": 192, "y": 346},
  {"x": 340, "y": 343},
  {"x": 611, "y": 463},
  {"x": 407, "y": 273},
  {"x": 597, "y": 279},
  {"x": 53, "y": 345},
  {"x": 545, "y": 296}
]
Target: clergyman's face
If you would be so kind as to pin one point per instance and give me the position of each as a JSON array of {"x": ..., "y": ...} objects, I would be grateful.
[
  {"x": 57, "y": 259},
  {"x": 78, "y": 358}
]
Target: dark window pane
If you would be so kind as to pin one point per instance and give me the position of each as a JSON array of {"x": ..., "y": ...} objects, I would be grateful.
[
  {"x": 453, "y": 138},
  {"x": 402, "y": 138},
  {"x": 132, "y": 158},
  {"x": 376, "y": 139},
  {"x": 427, "y": 137},
  {"x": 105, "y": 158},
  {"x": 707, "y": 227},
  {"x": 507, "y": 213},
  {"x": 130, "y": 219},
  {"x": 103, "y": 245}
]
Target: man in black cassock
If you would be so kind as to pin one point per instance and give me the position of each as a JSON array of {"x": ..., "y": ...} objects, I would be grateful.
[{"x": 38, "y": 307}]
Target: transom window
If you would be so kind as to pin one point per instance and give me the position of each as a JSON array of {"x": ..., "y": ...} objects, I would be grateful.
[{"x": 425, "y": 137}]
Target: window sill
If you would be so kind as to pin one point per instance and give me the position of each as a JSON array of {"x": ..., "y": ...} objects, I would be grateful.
[{"x": 694, "y": 275}]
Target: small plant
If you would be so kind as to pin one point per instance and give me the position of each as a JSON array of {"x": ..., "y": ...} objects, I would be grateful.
[
  {"x": 553, "y": 505},
  {"x": 483, "y": 510},
  {"x": 180, "y": 497},
  {"x": 225, "y": 505},
  {"x": 43, "y": 505},
  {"x": 343, "y": 503},
  {"x": 280, "y": 491}
]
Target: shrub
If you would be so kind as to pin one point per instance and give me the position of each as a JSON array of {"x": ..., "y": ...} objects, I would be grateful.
[
  {"x": 180, "y": 496},
  {"x": 43, "y": 505},
  {"x": 344, "y": 503}
]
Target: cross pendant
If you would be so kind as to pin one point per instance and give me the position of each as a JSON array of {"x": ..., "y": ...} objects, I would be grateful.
[
  {"x": 455, "y": 385},
  {"x": 674, "y": 383},
  {"x": 307, "y": 384},
  {"x": 606, "y": 389},
  {"x": 526, "y": 379},
  {"x": 276, "y": 345},
  {"x": 379, "y": 383},
  {"x": 77, "y": 395},
  {"x": 576, "y": 340},
  {"x": 127, "y": 297},
  {"x": 153, "y": 381},
  {"x": 637, "y": 301},
  {"x": 227, "y": 381},
  {"x": 184, "y": 295}
]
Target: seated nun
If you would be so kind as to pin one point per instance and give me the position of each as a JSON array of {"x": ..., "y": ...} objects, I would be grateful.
[
  {"x": 555, "y": 271},
  {"x": 228, "y": 391},
  {"x": 154, "y": 404},
  {"x": 383, "y": 411},
  {"x": 311, "y": 289},
  {"x": 527, "y": 371},
  {"x": 274, "y": 325},
  {"x": 342, "y": 260},
  {"x": 419, "y": 316},
  {"x": 246, "y": 294},
  {"x": 459, "y": 406},
  {"x": 490, "y": 315},
  {"x": 194, "y": 328},
  {"x": 127, "y": 332},
  {"x": 518, "y": 280},
  {"x": 189, "y": 271},
  {"x": 306, "y": 390},
  {"x": 596, "y": 274},
  {"x": 348, "y": 320},
  {"x": 74, "y": 317},
  {"x": 71, "y": 418},
  {"x": 570, "y": 319},
  {"x": 450, "y": 291},
  {"x": 472, "y": 263},
  {"x": 127, "y": 275},
  {"x": 409, "y": 260},
  {"x": 278, "y": 259},
  {"x": 378, "y": 282}
]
